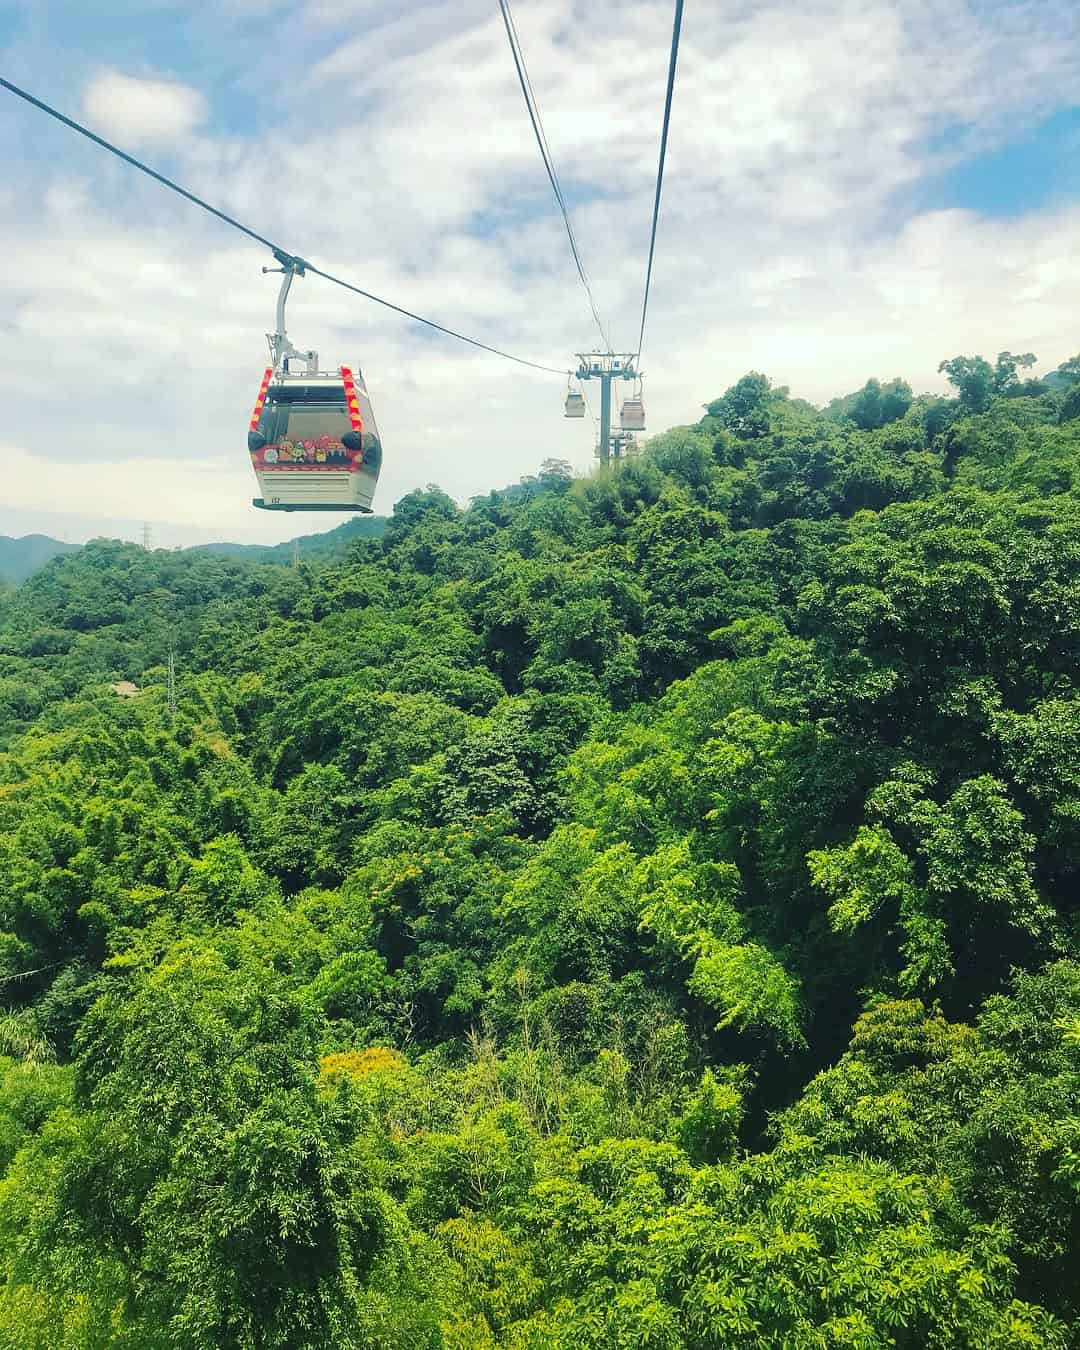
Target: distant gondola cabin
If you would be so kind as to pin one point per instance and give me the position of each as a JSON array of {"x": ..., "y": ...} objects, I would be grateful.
[{"x": 633, "y": 415}]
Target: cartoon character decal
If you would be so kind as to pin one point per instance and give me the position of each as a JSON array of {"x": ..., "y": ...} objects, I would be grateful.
[{"x": 321, "y": 452}]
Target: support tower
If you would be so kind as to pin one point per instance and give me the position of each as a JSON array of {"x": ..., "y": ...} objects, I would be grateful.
[{"x": 605, "y": 367}]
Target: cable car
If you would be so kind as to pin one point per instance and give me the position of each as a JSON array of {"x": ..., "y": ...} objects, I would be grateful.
[
  {"x": 632, "y": 415},
  {"x": 575, "y": 404},
  {"x": 312, "y": 439},
  {"x": 313, "y": 442}
]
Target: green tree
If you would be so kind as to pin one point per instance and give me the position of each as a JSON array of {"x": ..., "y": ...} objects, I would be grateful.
[
  {"x": 973, "y": 377},
  {"x": 875, "y": 405},
  {"x": 556, "y": 474},
  {"x": 743, "y": 409},
  {"x": 1006, "y": 371}
]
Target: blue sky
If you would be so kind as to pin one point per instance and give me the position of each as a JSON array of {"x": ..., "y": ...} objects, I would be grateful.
[
  {"x": 1036, "y": 168},
  {"x": 855, "y": 188}
]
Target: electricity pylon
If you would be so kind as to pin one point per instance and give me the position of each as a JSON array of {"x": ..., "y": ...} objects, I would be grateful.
[{"x": 171, "y": 688}]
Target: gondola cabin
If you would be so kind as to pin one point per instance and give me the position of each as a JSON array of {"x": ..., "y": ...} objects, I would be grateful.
[
  {"x": 632, "y": 416},
  {"x": 575, "y": 404},
  {"x": 313, "y": 442}
]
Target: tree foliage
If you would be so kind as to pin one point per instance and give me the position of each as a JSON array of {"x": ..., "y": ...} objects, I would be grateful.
[{"x": 634, "y": 911}]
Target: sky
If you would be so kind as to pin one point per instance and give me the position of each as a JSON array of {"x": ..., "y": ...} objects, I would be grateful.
[{"x": 854, "y": 188}]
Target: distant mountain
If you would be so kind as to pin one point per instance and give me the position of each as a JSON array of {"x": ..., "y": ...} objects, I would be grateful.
[
  {"x": 310, "y": 547},
  {"x": 21, "y": 558}
]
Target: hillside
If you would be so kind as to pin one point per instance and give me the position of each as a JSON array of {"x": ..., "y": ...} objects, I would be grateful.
[
  {"x": 632, "y": 912},
  {"x": 321, "y": 546},
  {"x": 21, "y": 558}
]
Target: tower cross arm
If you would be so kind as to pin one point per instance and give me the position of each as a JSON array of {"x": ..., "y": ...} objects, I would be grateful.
[{"x": 606, "y": 365}]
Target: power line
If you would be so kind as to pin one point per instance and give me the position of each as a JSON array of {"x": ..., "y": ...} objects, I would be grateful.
[
  {"x": 533, "y": 109},
  {"x": 676, "y": 29},
  {"x": 25, "y": 974},
  {"x": 281, "y": 254}
]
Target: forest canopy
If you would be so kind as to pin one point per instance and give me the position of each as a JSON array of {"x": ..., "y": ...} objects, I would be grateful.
[{"x": 632, "y": 911}]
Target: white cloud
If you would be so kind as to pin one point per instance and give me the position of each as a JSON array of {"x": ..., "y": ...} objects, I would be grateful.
[{"x": 137, "y": 112}]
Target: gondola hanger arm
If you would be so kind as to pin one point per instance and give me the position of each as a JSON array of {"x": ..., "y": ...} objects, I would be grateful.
[{"x": 281, "y": 349}]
